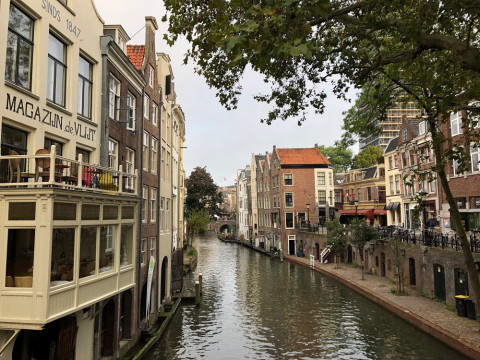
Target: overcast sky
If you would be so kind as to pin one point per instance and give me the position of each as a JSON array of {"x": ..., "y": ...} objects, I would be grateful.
[{"x": 220, "y": 140}]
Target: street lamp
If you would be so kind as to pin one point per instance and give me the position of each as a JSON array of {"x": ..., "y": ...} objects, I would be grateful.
[{"x": 308, "y": 216}]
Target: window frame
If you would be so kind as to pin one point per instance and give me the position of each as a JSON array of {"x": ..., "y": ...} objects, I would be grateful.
[
  {"x": 20, "y": 38},
  {"x": 288, "y": 204},
  {"x": 57, "y": 63},
  {"x": 82, "y": 80},
  {"x": 146, "y": 107},
  {"x": 131, "y": 112},
  {"x": 288, "y": 179},
  {"x": 113, "y": 96},
  {"x": 113, "y": 155},
  {"x": 153, "y": 203}
]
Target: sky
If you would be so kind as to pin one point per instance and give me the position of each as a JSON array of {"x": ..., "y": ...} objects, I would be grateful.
[{"x": 222, "y": 141}]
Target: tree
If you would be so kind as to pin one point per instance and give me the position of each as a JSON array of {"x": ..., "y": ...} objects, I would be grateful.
[
  {"x": 340, "y": 156},
  {"x": 336, "y": 239},
  {"x": 361, "y": 235},
  {"x": 429, "y": 50},
  {"x": 202, "y": 193},
  {"x": 367, "y": 157},
  {"x": 198, "y": 221}
]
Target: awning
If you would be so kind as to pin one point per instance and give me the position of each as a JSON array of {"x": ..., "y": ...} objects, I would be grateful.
[
  {"x": 392, "y": 206},
  {"x": 359, "y": 212},
  {"x": 379, "y": 212}
]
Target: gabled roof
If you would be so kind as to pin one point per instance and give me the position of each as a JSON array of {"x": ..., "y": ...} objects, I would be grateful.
[
  {"x": 136, "y": 53},
  {"x": 302, "y": 156},
  {"x": 392, "y": 145}
]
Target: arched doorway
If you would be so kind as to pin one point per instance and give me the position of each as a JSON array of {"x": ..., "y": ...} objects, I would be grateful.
[
  {"x": 107, "y": 332},
  {"x": 163, "y": 280},
  {"x": 126, "y": 315}
]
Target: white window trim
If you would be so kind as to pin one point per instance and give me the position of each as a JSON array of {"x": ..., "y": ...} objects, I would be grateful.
[
  {"x": 293, "y": 220},
  {"x": 285, "y": 199}
]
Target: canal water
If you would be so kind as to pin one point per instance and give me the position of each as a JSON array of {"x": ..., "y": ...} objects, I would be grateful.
[{"x": 258, "y": 308}]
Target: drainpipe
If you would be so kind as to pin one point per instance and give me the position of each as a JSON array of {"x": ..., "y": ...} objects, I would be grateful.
[
  {"x": 159, "y": 196},
  {"x": 139, "y": 219},
  {"x": 105, "y": 43}
]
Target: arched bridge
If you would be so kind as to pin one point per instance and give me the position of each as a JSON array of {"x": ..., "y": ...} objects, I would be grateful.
[{"x": 220, "y": 226}]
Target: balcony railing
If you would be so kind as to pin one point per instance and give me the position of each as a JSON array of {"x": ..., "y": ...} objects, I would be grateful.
[{"x": 32, "y": 171}]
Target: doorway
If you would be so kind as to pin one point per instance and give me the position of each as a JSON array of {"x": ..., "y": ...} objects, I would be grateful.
[
  {"x": 382, "y": 265},
  {"x": 411, "y": 270},
  {"x": 439, "y": 282}
]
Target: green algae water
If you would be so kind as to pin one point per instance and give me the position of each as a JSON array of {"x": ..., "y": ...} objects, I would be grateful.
[{"x": 258, "y": 308}]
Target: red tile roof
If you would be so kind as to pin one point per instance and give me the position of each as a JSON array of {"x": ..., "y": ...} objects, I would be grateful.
[
  {"x": 304, "y": 156},
  {"x": 136, "y": 53}
]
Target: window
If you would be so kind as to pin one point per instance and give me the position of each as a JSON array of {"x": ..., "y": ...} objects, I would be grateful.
[
  {"x": 145, "y": 151},
  {"x": 321, "y": 178},
  {"x": 474, "y": 156},
  {"x": 288, "y": 179},
  {"x": 18, "y": 66},
  {"x": 152, "y": 247},
  {"x": 154, "y": 113},
  {"x": 57, "y": 69},
  {"x": 84, "y": 95},
  {"x": 167, "y": 215},
  {"x": 146, "y": 106},
  {"x": 58, "y": 145},
  {"x": 153, "y": 205},
  {"x": 20, "y": 257},
  {"x": 162, "y": 214},
  {"x": 63, "y": 258},
  {"x": 151, "y": 76},
  {"x": 143, "y": 251},
  {"x": 144, "y": 203},
  {"x": 163, "y": 163},
  {"x": 288, "y": 199},
  {"x": 322, "y": 197},
  {"x": 390, "y": 162},
  {"x": 289, "y": 220},
  {"x": 404, "y": 134},
  {"x": 168, "y": 174},
  {"x": 392, "y": 189},
  {"x": 422, "y": 127},
  {"x": 129, "y": 168},
  {"x": 126, "y": 245},
  {"x": 456, "y": 167},
  {"x": 113, "y": 94},
  {"x": 112, "y": 154},
  {"x": 456, "y": 123},
  {"x": 153, "y": 157},
  {"x": 85, "y": 155},
  {"x": 132, "y": 112},
  {"x": 88, "y": 251}
]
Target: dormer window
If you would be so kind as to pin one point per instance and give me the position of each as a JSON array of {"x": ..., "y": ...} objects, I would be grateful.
[{"x": 404, "y": 134}]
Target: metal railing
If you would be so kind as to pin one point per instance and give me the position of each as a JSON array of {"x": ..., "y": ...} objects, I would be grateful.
[
  {"x": 50, "y": 169},
  {"x": 428, "y": 237}
]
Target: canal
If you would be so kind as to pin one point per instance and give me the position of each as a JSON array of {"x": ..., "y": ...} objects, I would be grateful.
[{"x": 258, "y": 308}]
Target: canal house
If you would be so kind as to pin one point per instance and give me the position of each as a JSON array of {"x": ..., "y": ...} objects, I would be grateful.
[
  {"x": 302, "y": 192},
  {"x": 67, "y": 217}
]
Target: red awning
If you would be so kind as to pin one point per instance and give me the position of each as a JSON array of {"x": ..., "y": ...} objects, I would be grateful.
[
  {"x": 360, "y": 212},
  {"x": 379, "y": 212}
]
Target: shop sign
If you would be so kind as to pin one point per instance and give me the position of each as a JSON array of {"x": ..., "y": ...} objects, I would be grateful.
[{"x": 47, "y": 117}]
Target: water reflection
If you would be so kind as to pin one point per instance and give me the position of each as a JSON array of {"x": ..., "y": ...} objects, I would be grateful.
[{"x": 258, "y": 308}]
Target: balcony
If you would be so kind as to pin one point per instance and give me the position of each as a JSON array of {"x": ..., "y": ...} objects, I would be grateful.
[
  {"x": 68, "y": 242},
  {"x": 34, "y": 171}
]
